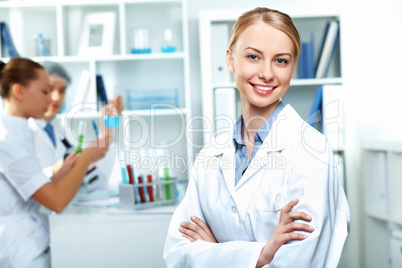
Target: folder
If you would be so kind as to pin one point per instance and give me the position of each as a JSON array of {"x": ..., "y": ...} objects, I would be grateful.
[
  {"x": 100, "y": 88},
  {"x": 332, "y": 103},
  {"x": 219, "y": 45},
  {"x": 7, "y": 41},
  {"x": 82, "y": 92},
  {"x": 328, "y": 45},
  {"x": 316, "y": 109},
  {"x": 225, "y": 108},
  {"x": 305, "y": 63}
]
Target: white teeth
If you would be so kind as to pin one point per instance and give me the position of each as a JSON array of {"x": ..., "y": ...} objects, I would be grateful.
[{"x": 264, "y": 88}]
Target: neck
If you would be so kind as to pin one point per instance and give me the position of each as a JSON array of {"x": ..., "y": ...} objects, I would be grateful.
[
  {"x": 12, "y": 108},
  {"x": 254, "y": 117}
]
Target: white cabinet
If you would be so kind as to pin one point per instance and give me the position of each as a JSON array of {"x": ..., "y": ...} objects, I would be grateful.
[
  {"x": 382, "y": 173},
  {"x": 98, "y": 237},
  {"x": 62, "y": 21}
]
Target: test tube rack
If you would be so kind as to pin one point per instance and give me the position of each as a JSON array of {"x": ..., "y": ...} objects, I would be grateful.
[{"x": 138, "y": 196}]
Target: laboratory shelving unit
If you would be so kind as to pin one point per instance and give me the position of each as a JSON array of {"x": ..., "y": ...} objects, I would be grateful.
[
  {"x": 61, "y": 22},
  {"x": 382, "y": 173}
]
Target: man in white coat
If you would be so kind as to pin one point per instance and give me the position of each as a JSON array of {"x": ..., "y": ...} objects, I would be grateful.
[{"x": 49, "y": 136}]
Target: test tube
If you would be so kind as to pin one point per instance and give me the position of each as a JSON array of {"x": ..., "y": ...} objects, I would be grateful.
[
  {"x": 150, "y": 189},
  {"x": 123, "y": 172},
  {"x": 81, "y": 130}
]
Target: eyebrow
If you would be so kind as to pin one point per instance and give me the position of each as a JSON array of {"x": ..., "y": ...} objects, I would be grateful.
[{"x": 259, "y": 51}]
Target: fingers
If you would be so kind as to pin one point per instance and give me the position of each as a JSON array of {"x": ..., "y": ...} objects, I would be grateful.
[
  {"x": 191, "y": 230},
  {"x": 189, "y": 238},
  {"x": 296, "y": 226},
  {"x": 288, "y": 216},
  {"x": 201, "y": 224},
  {"x": 297, "y": 215},
  {"x": 290, "y": 205},
  {"x": 284, "y": 238}
]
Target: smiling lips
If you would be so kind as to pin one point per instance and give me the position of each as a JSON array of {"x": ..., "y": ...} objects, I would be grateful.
[
  {"x": 54, "y": 106},
  {"x": 263, "y": 90}
]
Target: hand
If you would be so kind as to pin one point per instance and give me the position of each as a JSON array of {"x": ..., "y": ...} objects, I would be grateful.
[
  {"x": 114, "y": 107},
  {"x": 96, "y": 150},
  {"x": 284, "y": 232},
  {"x": 61, "y": 168},
  {"x": 197, "y": 231}
]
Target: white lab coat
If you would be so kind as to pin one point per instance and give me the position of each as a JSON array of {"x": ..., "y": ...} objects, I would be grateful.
[
  {"x": 24, "y": 233},
  {"x": 49, "y": 155},
  {"x": 294, "y": 161}
]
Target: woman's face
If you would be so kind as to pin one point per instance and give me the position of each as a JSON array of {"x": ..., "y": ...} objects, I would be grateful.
[
  {"x": 57, "y": 93},
  {"x": 36, "y": 96},
  {"x": 263, "y": 63}
]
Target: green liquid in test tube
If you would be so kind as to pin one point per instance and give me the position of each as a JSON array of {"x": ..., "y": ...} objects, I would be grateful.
[
  {"x": 81, "y": 130},
  {"x": 167, "y": 186}
]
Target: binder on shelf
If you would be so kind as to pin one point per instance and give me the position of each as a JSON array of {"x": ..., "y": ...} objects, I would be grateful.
[
  {"x": 306, "y": 68},
  {"x": 332, "y": 114},
  {"x": 101, "y": 90},
  {"x": 315, "y": 116},
  {"x": 328, "y": 45},
  {"x": 225, "y": 108},
  {"x": 7, "y": 41},
  {"x": 219, "y": 44},
  {"x": 82, "y": 93},
  {"x": 382, "y": 182}
]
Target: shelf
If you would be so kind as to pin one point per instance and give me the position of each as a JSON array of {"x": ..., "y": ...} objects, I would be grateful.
[
  {"x": 48, "y": 3},
  {"x": 293, "y": 82},
  {"x": 379, "y": 215},
  {"x": 150, "y": 56},
  {"x": 156, "y": 112}
]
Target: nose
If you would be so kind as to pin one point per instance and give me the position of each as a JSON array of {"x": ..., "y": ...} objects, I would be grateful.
[
  {"x": 266, "y": 73},
  {"x": 55, "y": 96}
]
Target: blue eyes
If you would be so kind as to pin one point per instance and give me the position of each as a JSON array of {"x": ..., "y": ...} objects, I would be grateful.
[
  {"x": 252, "y": 57},
  {"x": 280, "y": 61}
]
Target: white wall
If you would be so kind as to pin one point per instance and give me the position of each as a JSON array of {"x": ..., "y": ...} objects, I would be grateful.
[{"x": 371, "y": 64}]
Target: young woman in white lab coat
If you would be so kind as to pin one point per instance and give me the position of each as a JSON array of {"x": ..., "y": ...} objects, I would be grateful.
[
  {"x": 51, "y": 156},
  {"x": 283, "y": 208},
  {"x": 24, "y": 237}
]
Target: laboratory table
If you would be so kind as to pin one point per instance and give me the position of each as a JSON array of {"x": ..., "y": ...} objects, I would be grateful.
[{"x": 108, "y": 237}]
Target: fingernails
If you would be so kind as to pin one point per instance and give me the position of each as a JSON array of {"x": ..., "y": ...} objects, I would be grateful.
[
  {"x": 304, "y": 236},
  {"x": 308, "y": 217},
  {"x": 310, "y": 228},
  {"x": 192, "y": 217}
]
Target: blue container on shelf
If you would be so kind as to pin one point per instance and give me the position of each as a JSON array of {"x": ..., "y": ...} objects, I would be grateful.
[{"x": 143, "y": 99}]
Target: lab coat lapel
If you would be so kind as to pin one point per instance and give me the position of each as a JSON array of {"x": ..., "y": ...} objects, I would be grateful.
[
  {"x": 223, "y": 149},
  {"x": 280, "y": 133},
  {"x": 227, "y": 165}
]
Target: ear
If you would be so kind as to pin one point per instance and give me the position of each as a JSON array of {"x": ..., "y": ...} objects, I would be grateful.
[
  {"x": 17, "y": 91},
  {"x": 229, "y": 61}
]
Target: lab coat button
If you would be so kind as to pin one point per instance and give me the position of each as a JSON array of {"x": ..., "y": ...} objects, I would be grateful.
[{"x": 234, "y": 210}]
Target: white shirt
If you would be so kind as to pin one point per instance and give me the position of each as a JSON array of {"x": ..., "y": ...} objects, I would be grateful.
[
  {"x": 48, "y": 154},
  {"x": 24, "y": 234},
  {"x": 294, "y": 161}
]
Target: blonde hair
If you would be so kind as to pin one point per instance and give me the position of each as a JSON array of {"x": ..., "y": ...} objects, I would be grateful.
[{"x": 275, "y": 18}]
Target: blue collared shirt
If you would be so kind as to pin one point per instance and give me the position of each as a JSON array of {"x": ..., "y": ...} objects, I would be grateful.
[{"x": 241, "y": 157}]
